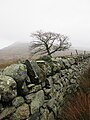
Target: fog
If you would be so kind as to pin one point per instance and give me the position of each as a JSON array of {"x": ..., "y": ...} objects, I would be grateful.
[{"x": 19, "y": 18}]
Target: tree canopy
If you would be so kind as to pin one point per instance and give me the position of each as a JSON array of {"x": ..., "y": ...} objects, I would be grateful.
[{"x": 48, "y": 42}]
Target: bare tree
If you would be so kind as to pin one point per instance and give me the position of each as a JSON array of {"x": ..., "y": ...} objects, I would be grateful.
[{"x": 48, "y": 42}]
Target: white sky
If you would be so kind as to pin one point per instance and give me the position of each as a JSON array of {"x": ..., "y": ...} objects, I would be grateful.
[{"x": 19, "y": 18}]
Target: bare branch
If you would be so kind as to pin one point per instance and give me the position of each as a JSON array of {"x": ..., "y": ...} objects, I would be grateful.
[{"x": 48, "y": 42}]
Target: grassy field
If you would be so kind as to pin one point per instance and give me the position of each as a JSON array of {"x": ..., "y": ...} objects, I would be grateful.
[{"x": 5, "y": 63}]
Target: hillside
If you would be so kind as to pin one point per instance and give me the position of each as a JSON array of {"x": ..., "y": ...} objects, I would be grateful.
[
  {"x": 15, "y": 51},
  {"x": 21, "y": 50}
]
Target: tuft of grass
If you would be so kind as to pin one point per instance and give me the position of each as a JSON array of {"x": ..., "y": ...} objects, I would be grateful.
[{"x": 77, "y": 107}]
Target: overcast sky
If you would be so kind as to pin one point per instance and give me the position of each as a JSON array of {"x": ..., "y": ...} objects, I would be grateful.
[{"x": 19, "y": 18}]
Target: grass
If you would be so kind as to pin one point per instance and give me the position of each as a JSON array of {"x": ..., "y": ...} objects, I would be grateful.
[
  {"x": 6, "y": 63},
  {"x": 78, "y": 105}
]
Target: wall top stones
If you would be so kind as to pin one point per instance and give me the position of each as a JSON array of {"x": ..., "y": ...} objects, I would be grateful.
[{"x": 35, "y": 90}]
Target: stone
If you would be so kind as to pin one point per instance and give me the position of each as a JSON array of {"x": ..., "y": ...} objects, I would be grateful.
[
  {"x": 45, "y": 114},
  {"x": 71, "y": 61},
  {"x": 56, "y": 78},
  {"x": 35, "y": 89},
  {"x": 35, "y": 116},
  {"x": 66, "y": 63},
  {"x": 29, "y": 98},
  {"x": 19, "y": 73},
  {"x": 24, "y": 91},
  {"x": 42, "y": 65},
  {"x": 51, "y": 116},
  {"x": 52, "y": 105},
  {"x": 7, "y": 88},
  {"x": 48, "y": 70},
  {"x": 1, "y": 107},
  {"x": 30, "y": 86},
  {"x": 37, "y": 102},
  {"x": 22, "y": 113},
  {"x": 57, "y": 87},
  {"x": 50, "y": 81},
  {"x": 60, "y": 61},
  {"x": 73, "y": 81},
  {"x": 7, "y": 112},
  {"x": 18, "y": 101},
  {"x": 34, "y": 72}
]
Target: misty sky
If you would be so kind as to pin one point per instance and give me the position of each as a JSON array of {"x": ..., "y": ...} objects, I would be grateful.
[{"x": 19, "y": 18}]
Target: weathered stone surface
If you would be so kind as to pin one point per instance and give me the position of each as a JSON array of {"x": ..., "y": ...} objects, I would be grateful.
[
  {"x": 1, "y": 108},
  {"x": 37, "y": 101},
  {"x": 7, "y": 112},
  {"x": 22, "y": 113},
  {"x": 45, "y": 114},
  {"x": 19, "y": 73},
  {"x": 52, "y": 105},
  {"x": 35, "y": 89},
  {"x": 18, "y": 101},
  {"x": 66, "y": 63},
  {"x": 30, "y": 86},
  {"x": 29, "y": 98},
  {"x": 35, "y": 116},
  {"x": 34, "y": 72},
  {"x": 51, "y": 116},
  {"x": 50, "y": 81},
  {"x": 7, "y": 88},
  {"x": 56, "y": 78}
]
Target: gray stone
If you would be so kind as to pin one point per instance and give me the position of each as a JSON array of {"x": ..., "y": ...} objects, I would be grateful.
[
  {"x": 7, "y": 112},
  {"x": 34, "y": 72},
  {"x": 35, "y": 116},
  {"x": 66, "y": 63},
  {"x": 29, "y": 98},
  {"x": 1, "y": 107},
  {"x": 45, "y": 114},
  {"x": 37, "y": 102},
  {"x": 35, "y": 89},
  {"x": 18, "y": 101},
  {"x": 22, "y": 113},
  {"x": 7, "y": 88},
  {"x": 30, "y": 86},
  {"x": 56, "y": 78},
  {"x": 51, "y": 116},
  {"x": 24, "y": 89},
  {"x": 19, "y": 73},
  {"x": 50, "y": 81},
  {"x": 52, "y": 105},
  {"x": 73, "y": 81},
  {"x": 71, "y": 61}
]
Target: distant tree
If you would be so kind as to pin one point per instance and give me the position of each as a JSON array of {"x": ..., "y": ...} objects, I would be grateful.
[{"x": 48, "y": 42}]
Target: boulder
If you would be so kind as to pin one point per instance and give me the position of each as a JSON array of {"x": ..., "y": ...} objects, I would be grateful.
[
  {"x": 37, "y": 102},
  {"x": 19, "y": 73},
  {"x": 22, "y": 113},
  {"x": 35, "y": 116},
  {"x": 7, "y": 112},
  {"x": 36, "y": 74},
  {"x": 7, "y": 88},
  {"x": 18, "y": 101}
]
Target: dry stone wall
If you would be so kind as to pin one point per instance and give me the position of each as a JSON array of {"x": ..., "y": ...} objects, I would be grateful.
[{"x": 35, "y": 90}]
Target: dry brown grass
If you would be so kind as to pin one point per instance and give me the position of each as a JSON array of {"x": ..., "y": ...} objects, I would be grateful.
[
  {"x": 77, "y": 106},
  {"x": 6, "y": 63}
]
